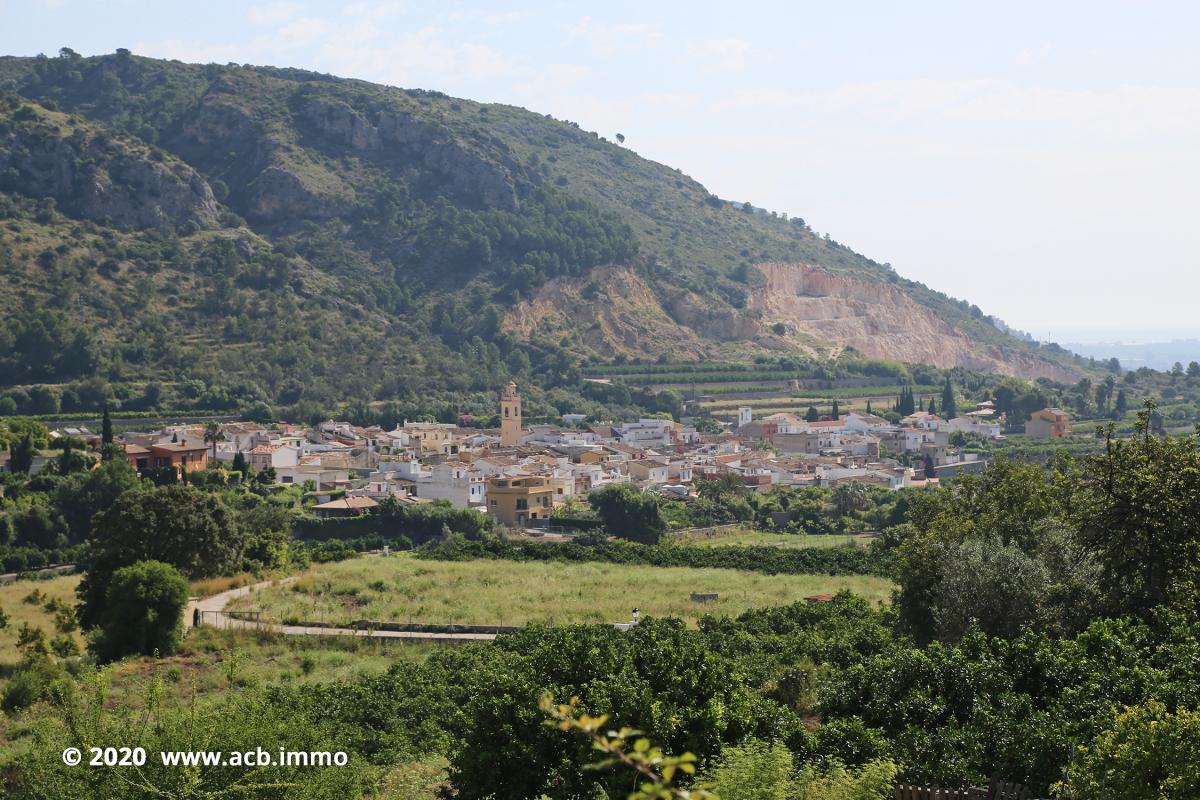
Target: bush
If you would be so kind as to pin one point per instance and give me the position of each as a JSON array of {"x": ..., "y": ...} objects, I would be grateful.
[
  {"x": 754, "y": 770},
  {"x": 144, "y": 611},
  {"x": 871, "y": 782},
  {"x": 64, "y": 646},
  {"x": 32, "y": 682},
  {"x": 1148, "y": 752}
]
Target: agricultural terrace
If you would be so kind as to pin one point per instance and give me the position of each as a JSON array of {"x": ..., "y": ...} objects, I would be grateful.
[
  {"x": 769, "y": 387},
  {"x": 404, "y": 589}
]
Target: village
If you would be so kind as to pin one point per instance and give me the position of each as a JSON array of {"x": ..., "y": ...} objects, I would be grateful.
[{"x": 520, "y": 474}]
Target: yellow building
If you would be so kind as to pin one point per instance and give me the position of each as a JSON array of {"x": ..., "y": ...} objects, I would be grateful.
[
  {"x": 516, "y": 500},
  {"x": 1049, "y": 423},
  {"x": 510, "y": 416},
  {"x": 434, "y": 437}
]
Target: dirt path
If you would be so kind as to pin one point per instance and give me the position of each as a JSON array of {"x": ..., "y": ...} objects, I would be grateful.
[{"x": 217, "y": 603}]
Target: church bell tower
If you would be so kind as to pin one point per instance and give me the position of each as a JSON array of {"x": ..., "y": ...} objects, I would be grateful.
[{"x": 510, "y": 416}]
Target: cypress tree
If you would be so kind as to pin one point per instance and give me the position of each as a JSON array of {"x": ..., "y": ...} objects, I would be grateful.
[
  {"x": 106, "y": 429},
  {"x": 835, "y": 409},
  {"x": 21, "y": 457},
  {"x": 64, "y": 460},
  {"x": 932, "y": 406},
  {"x": 908, "y": 401},
  {"x": 949, "y": 410}
]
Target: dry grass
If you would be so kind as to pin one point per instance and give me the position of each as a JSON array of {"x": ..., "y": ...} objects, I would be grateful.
[
  {"x": 404, "y": 589},
  {"x": 12, "y": 599},
  {"x": 212, "y": 661},
  {"x": 207, "y": 587}
]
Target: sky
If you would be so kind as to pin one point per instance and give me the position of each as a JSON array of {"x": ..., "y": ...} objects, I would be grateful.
[{"x": 1038, "y": 159}]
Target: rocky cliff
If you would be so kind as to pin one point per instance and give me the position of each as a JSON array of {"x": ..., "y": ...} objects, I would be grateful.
[{"x": 96, "y": 175}]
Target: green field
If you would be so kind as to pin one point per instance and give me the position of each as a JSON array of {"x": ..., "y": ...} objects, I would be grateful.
[{"x": 404, "y": 589}]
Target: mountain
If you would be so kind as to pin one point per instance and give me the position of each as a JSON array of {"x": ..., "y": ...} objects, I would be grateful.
[
  {"x": 1155, "y": 355},
  {"x": 232, "y": 233}
]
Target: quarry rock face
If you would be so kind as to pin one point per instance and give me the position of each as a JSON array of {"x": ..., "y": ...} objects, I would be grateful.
[
  {"x": 877, "y": 320},
  {"x": 629, "y": 314}
]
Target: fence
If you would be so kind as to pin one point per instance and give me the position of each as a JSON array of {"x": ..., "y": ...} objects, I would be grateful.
[
  {"x": 997, "y": 790},
  {"x": 565, "y": 524},
  {"x": 223, "y": 620},
  {"x": 928, "y": 793},
  {"x": 706, "y": 532},
  {"x": 53, "y": 569}
]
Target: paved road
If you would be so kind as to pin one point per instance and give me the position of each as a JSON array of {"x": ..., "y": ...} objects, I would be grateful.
[{"x": 217, "y": 602}]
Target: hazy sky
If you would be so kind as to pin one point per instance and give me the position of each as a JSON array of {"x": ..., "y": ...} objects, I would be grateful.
[{"x": 1039, "y": 159}]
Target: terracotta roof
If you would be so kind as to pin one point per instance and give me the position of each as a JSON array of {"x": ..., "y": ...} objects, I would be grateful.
[
  {"x": 349, "y": 504},
  {"x": 173, "y": 447}
]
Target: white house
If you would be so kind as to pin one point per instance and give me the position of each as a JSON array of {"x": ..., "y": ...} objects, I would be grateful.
[
  {"x": 983, "y": 426},
  {"x": 647, "y": 471},
  {"x": 866, "y": 423},
  {"x": 276, "y": 456},
  {"x": 647, "y": 433},
  {"x": 463, "y": 485}
]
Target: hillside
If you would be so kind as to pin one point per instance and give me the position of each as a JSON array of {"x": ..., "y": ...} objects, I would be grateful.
[{"x": 241, "y": 234}]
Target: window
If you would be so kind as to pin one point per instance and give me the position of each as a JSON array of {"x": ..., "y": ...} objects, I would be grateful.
[{"x": 522, "y": 504}]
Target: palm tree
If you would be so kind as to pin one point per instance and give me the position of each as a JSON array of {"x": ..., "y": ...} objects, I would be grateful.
[
  {"x": 849, "y": 497},
  {"x": 212, "y": 435}
]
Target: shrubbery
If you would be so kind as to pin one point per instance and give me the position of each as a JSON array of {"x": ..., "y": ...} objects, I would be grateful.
[
  {"x": 143, "y": 612},
  {"x": 766, "y": 559}
]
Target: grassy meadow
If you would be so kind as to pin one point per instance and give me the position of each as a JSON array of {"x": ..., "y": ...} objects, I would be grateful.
[
  {"x": 17, "y": 598},
  {"x": 403, "y": 589}
]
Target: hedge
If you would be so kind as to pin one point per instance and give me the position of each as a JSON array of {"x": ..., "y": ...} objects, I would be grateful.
[{"x": 765, "y": 559}]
